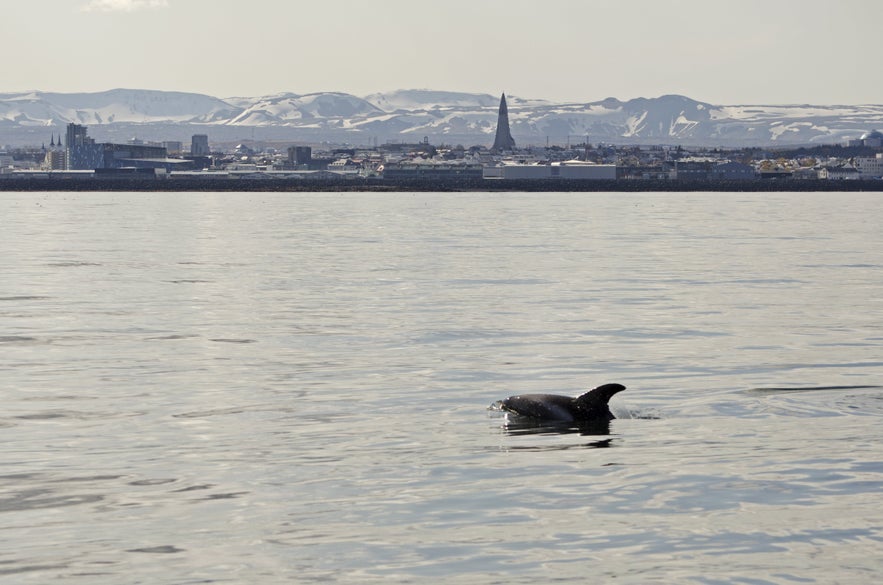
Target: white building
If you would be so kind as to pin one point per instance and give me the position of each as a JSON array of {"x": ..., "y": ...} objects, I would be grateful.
[
  {"x": 839, "y": 173},
  {"x": 869, "y": 167}
]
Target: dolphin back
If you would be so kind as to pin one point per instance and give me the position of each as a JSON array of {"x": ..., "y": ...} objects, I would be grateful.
[{"x": 550, "y": 407}]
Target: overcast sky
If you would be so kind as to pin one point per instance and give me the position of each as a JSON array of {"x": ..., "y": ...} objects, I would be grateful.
[{"x": 749, "y": 51}]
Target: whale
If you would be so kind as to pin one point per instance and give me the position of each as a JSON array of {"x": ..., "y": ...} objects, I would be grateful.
[{"x": 590, "y": 407}]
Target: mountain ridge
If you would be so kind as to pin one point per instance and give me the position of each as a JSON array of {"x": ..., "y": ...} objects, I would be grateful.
[{"x": 443, "y": 116}]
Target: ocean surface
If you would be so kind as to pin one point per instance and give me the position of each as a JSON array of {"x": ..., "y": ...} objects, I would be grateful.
[{"x": 264, "y": 388}]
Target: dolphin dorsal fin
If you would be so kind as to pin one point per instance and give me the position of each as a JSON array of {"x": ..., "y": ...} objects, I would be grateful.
[{"x": 599, "y": 397}]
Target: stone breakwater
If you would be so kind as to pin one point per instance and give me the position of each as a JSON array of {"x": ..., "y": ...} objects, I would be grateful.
[{"x": 482, "y": 185}]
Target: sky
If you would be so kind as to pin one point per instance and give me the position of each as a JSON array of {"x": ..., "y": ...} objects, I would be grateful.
[{"x": 726, "y": 53}]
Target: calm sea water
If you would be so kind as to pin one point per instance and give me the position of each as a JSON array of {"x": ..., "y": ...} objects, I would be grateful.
[{"x": 293, "y": 388}]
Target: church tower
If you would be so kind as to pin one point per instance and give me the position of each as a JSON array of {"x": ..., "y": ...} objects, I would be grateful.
[{"x": 503, "y": 139}]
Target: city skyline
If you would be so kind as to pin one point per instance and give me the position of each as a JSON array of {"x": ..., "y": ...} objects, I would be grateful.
[{"x": 753, "y": 52}]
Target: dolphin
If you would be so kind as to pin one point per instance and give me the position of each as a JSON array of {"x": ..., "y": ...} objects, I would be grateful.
[{"x": 591, "y": 407}]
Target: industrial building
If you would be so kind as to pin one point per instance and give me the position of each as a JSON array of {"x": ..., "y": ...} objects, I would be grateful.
[
  {"x": 576, "y": 170},
  {"x": 713, "y": 170},
  {"x": 433, "y": 171}
]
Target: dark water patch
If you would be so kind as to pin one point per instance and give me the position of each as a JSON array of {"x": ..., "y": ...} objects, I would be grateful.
[
  {"x": 25, "y": 298},
  {"x": 867, "y": 467},
  {"x": 38, "y": 499},
  {"x": 637, "y": 300},
  {"x": 72, "y": 264},
  {"x": 759, "y": 347},
  {"x": 189, "y": 281},
  {"x": 465, "y": 334},
  {"x": 793, "y": 578},
  {"x": 727, "y": 543},
  {"x": 57, "y": 398},
  {"x": 13, "y": 339},
  {"x": 845, "y": 344},
  {"x": 838, "y": 266},
  {"x": 28, "y": 568},
  {"x": 233, "y": 340},
  {"x": 79, "y": 415},
  {"x": 227, "y": 496},
  {"x": 162, "y": 550},
  {"x": 193, "y": 488},
  {"x": 648, "y": 334},
  {"x": 172, "y": 337},
  {"x": 213, "y": 412},
  {"x": 151, "y": 482},
  {"x": 20, "y": 476},
  {"x": 43, "y": 416},
  {"x": 496, "y": 281},
  {"x": 233, "y": 410},
  {"x": 771, "y": 281},
  {"x": 87, "y": 478}
]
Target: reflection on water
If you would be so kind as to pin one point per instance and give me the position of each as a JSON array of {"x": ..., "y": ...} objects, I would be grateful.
[
  {"x": 603, "y": 444},
  {"x": 525, "y": 426},
  {"x": 290, "y": 388}
]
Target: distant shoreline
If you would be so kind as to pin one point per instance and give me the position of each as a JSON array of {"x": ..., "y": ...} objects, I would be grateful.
[{"x": 479, "y": 185}]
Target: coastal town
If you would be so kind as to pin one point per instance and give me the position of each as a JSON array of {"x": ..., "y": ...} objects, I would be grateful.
[{"x": 75, "y": 156}]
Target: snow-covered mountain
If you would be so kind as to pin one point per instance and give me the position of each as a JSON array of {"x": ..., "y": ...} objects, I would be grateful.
[
  {"x": 293, "y": 109},
  {"x": 109, "y": 107},
  {"x": 409, "y": 100},
  {"x": 409, "y": 115}
]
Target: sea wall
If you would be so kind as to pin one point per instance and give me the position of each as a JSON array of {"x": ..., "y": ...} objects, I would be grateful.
[{"x": 380, "y": 185}]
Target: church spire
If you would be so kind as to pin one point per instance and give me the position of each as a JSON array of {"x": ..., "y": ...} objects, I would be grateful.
[{"x": 503, "y": 140}]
